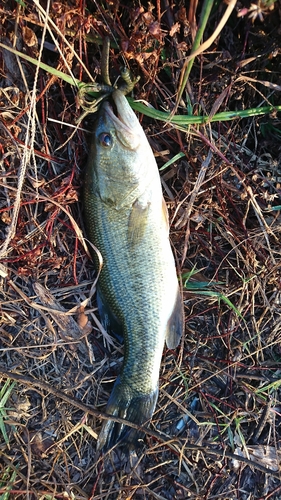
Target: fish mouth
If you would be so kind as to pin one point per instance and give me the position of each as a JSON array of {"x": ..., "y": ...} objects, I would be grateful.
[{"x": 124, "y": 120}]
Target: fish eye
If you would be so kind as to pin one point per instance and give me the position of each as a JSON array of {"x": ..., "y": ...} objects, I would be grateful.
[{"x": 105, "y": 139}]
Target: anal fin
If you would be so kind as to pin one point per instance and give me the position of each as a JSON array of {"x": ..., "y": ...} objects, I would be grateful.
[{"x": 175, "y": 325}]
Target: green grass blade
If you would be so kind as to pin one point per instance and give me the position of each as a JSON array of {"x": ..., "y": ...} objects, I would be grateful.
[
  {"x": 201, "y": 285},
  {"x": 9, "y": 483},
  {"x": 205, "y": 14},
  {"x": 197, "y": 285},
  {"x": 272, "y": 209},
  {"x": 4, "y": 395},
  {"x": 3, "y": 430},
  {"x": 5, "y": 392},
  {"x": 211, "y": 293},
  {"x": 232, "y": 306},
  {"x": 46, "y": 67},
  {"x": 173, "y": 160},
  {"x": 272, "y": 386},
  {"x": 205, "y": 45},
  {"x": 185, "y": 120}
]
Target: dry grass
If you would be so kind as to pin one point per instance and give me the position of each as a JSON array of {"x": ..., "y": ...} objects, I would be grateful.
[{"x": 219, "y": 404}]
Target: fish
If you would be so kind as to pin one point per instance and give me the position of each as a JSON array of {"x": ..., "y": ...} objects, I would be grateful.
[{"x": 138, "y": 293}]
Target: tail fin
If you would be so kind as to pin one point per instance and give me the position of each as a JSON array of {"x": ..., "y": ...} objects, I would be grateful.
[{"x": 124, "y": 402}]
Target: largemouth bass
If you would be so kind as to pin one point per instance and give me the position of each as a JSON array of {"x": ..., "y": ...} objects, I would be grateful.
[{"x": 138, "y": 294}]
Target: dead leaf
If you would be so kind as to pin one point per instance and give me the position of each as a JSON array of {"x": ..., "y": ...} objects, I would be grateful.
[
  {"x": 175, "y": 29},
  {"x": 29, "y": 37},
  {"x": 262, "y": 454}
]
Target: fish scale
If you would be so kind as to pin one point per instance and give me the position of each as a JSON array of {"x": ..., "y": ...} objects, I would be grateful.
[{"x": 126, "y": 219}]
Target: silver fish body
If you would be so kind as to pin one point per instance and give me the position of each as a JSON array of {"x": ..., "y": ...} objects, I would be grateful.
[{"x": 138, "y": 293}]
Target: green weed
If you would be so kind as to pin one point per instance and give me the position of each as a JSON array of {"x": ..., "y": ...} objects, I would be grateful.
[{"x": 5, "y": 393}]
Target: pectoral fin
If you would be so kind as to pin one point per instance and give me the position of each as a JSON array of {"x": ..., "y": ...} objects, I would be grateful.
[
  {"x": 175, "y": 324},
  {"x": 137, "y": 222}
]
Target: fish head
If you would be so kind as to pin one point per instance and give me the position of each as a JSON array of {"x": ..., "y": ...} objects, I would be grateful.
[{"x": 121, "y": 157}]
